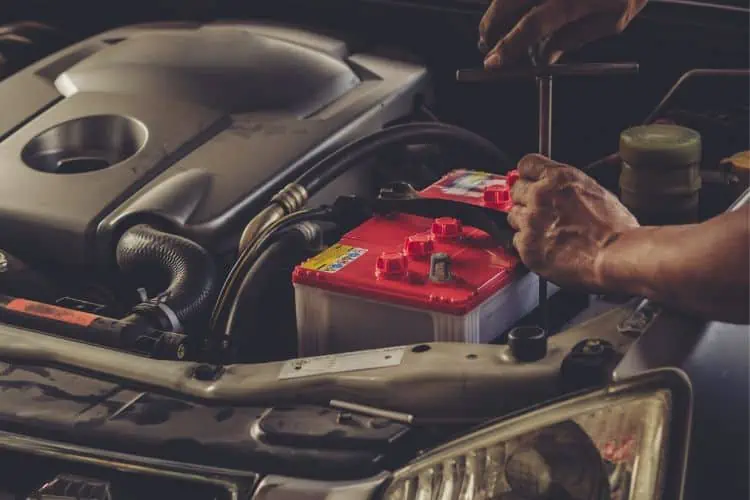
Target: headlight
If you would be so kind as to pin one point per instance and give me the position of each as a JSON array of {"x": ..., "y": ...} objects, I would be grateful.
[{"x": 626, "y": 442}]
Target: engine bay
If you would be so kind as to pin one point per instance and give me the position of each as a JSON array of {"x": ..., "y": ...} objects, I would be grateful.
[
  {"x": 151, "y": 147},
  {"x": 232, "y": 222},
  {"x": 174, "y": 190}
]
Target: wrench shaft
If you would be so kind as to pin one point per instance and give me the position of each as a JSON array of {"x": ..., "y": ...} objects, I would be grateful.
[
  {"x": 544, "y": 85},
  {"x": 572, "y": 70},
  {"x": 545, "y": 115}
]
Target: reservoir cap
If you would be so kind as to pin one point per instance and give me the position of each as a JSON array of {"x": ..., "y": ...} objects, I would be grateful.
[{"x": 660, "y": 146}]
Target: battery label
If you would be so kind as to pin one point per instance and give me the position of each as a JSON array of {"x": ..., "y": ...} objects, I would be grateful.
[
  {"x": 470, "y": 183},
  {"x": 334, "y": 258}
]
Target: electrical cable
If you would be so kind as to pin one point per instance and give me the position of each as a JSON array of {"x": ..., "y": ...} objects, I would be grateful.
[
  {"x": 248, "y": 256},
  {"x": 354, "y": 153},
  {"x": 287, "y": 247}
]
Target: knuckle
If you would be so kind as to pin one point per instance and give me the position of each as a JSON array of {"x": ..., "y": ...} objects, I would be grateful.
[
  {"x": 529, "y": 160},
  {"x": 559, "y": 176},
  {"x": 518, "y": 218},
  {"x": 512, "y": 219},
  {"x": 553, "y": 175},
  {"x": 532, "y": 157},
  {"x": 565, "y": 176},
  {"x": 532, "y": 164},
  {"x": 567, "y": 172}
]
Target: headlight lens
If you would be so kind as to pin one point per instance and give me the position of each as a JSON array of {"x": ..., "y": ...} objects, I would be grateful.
[{"x": 611, "y": 444}]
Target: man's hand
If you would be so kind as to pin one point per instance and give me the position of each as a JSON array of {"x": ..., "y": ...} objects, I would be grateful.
[
  {"x": 564, "y": 221},
  {"x": 512, "y": 27}
]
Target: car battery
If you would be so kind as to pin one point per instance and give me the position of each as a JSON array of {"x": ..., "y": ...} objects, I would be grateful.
[{"x": 402, "y": 279}]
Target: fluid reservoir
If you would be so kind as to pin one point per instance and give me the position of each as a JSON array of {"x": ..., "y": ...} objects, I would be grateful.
[{"x": 660, "y": 178}]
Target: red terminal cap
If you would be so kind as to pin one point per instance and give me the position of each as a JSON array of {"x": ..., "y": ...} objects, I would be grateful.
[
  {"x": 512, "y": 177},
  {"x": 391, "y": 264},
  {"x": 498, "y": 194},
  {"x": 419, "y": 245},
  {"x": 446, "y": 228}
]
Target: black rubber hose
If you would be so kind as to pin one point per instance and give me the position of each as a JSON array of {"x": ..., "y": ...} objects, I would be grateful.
[
  {"x": 278, "y": 259},
  {"x": 189, "y": 267},
  {"x": 354, "y": 153},
  {"x": 248, "y": 257}
]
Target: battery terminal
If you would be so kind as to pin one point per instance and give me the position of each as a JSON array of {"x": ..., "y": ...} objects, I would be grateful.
[
  {"x": 391, "y": 265},
  {"x": 419, "y": 246},
  {"x": 497, "y": 195},
  {"x": 447, "y": 228}
]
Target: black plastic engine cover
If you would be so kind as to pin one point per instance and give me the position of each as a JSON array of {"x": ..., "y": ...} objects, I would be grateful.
[{"x": 198, "y": 125}]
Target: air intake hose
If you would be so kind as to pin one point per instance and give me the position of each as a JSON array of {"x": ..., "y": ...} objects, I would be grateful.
[{"x": 190, "y": 270}]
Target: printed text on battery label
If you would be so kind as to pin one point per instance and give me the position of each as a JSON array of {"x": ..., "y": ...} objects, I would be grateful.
[{"x": 334, "y": 259}]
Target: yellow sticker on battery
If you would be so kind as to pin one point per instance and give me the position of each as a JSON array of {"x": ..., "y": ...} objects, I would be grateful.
[{"x": 334, "y": 258}]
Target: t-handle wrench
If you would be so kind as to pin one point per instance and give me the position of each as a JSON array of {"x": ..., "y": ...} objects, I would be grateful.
[{"x": 543, "y": 74}]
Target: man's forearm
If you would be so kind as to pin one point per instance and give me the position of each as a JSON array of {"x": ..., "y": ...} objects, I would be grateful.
[{"x": 699, "y": 268}]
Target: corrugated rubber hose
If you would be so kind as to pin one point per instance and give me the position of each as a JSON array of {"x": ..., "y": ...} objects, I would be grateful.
[{"x": 189, "y": 267}]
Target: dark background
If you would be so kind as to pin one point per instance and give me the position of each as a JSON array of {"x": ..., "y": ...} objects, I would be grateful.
[{"x": 667, "y": 39}]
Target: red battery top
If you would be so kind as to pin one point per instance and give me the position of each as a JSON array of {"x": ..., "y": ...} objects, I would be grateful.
[{"x": 387, "y": 258}]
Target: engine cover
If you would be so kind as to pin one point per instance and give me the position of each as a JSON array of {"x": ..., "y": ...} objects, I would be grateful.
[{"x": 197, "y": 125}]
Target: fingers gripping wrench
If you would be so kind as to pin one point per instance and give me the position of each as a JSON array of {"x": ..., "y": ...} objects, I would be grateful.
[{"x": 543, "y": 74}]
